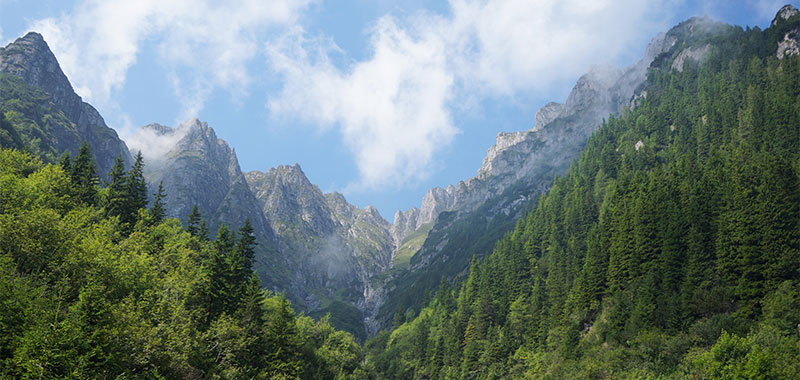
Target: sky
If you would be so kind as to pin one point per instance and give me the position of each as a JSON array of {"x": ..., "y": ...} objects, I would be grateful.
[{"x": 377, "y": 99}]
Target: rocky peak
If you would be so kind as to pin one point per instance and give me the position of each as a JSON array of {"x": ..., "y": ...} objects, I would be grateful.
[
  {"x": 371, "y": 215},
  {"x": 290, "y": 201},
  {"x": 404, "y": 223},
  {"x": 791, "y": 33},
  {"x": 785, "y": 13},
  {"x": 593, "y": 87},
  {"x": 30, "y": 58},
  {"x": 519, "y": 155},
  {"x": 158, "y": 129}
]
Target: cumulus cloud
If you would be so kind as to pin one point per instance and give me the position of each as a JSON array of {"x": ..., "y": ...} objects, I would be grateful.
[
  {"x": 205, "y": 44},
  {"x": 394, "y": 108}
]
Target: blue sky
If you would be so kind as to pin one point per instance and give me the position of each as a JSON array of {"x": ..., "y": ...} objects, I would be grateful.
[{"x": 380, "y": 100}]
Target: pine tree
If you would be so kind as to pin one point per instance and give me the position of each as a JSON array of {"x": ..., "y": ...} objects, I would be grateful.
[{"x": 222, "y": 277}]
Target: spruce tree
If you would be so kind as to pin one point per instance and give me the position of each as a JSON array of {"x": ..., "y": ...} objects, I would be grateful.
[
  {"x": 193, "y": 222},
  {"x": 116, "y": 200},
  {"x": 246, "y": 248},
  {"x": 203, "y": 230},
  {"x": 66, "y": 163},
  {"x": 83, "y": 176},
  {"x": 136, "y": 191},
  {"x": 158, "y": 211}
]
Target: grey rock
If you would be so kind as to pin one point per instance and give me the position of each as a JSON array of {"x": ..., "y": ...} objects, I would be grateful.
[
  {"x": 785, "y": 13},
  {"x": 331, "y": 246},
  {"x": 695, "y": 54},
  {"x": 789, "y": 44},
  {"x": 546, "y": 114}
]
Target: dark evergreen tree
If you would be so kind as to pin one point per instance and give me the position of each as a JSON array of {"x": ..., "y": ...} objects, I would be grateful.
[
  {"x": 158, "y": 211},
  {"x": 116, "y": 196},
  {"x": 84, "y": 179},
  {"x": 193, "y": 222},
  {"x": 135, "y": 191},
  {"x": 246, "y": 247}
]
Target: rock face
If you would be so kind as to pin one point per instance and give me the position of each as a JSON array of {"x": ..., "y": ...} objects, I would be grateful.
[
  {"x": 788, "y": 45},
  {"x": 332, "y": 248},
  {"x": 201, "y": 169},
  {"x": 30, "y": 58}
]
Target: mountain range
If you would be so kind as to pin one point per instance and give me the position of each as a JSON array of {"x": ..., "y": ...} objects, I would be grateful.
[{"x": 326, "y": 254}]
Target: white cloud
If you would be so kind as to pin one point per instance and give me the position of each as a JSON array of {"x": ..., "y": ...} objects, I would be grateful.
[
  {"x": 155, "y": 144},
  {"x": 394, "y": 108},
  {"x": 205, "y": 44}
]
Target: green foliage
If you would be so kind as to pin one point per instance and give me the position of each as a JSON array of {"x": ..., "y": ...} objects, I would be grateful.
[
  {"x": 676, "y": 259},
  {"x": 28, "y": 118},
  {"x": 83, "y": 295}
]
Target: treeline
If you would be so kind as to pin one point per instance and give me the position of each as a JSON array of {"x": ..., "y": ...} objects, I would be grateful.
[
  {"x": 93, "y": 284},
  {"x": 670, "y": 249}
]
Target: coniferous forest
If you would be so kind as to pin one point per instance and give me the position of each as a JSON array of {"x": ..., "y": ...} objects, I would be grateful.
[{"x": 669, "y": 250}]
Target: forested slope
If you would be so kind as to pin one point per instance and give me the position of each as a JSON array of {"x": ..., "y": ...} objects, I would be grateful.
[
  {"x": 670, "y": 249},
  {"x": 92, "y": 286}
]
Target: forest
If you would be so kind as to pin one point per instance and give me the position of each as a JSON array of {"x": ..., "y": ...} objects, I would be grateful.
[
  {"x": 95, "y": 284},
  {"x": 670, "y": 249}
]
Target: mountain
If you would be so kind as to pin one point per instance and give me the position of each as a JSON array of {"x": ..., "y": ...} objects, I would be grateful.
[
  {"x": 201, "y": 169},
  {"x": 43, "y": 114},
  {"x": 668, "y": 250},
  {"x": 196, "y": 168},
  {"x": 317, "y": 248},
  {"x": 333, "y": 248},
  {"x": 468, "y": 217}
]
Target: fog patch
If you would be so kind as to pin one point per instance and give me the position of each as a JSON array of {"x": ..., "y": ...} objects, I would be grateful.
[
  {"x": 155, "y": 141},
  {"x": 334, "y": 255}
]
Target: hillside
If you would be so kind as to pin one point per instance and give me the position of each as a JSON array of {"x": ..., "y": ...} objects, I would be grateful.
[
  {"x": 468, "y": 218},
  {"x": 670, "y": 249}
]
